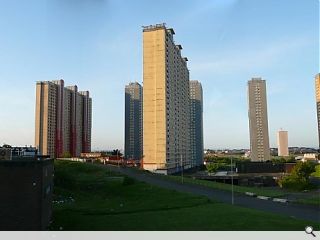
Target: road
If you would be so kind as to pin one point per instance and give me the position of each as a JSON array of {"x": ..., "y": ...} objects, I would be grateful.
[{"x": 306, "y": 212}]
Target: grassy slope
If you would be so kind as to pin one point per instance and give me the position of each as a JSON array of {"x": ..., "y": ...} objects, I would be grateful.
[
  {"x": 283, "y": 193},
  {"x": 310, "y": 201},
  {"x": 227, "y": 187},
  {"x": 105, "y": 200}
]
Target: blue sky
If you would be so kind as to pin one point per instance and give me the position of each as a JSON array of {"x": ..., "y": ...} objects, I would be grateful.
[{"x": 97, "y": 45}]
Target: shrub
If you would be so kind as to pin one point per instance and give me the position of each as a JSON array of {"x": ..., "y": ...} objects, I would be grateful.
[
  {"x": 294, "y": 182},
  {"x": 214, "y": 167},
  {"x": 317, "y": 172},
  {"x": 299, "y": 177},
  {"x": 303, "y": 169}
]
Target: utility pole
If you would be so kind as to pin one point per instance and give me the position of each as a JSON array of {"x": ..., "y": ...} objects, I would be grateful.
[
  {"x": 181, "y": 168},
  {"x": 118, "y": 159},
  {"x": 232, "y": 196}
]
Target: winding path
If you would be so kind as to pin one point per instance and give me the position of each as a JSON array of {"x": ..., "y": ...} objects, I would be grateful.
[{"x": 306, "y": 212}]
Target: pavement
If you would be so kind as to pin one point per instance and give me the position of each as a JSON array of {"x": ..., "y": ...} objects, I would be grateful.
[{"x": 298, "y": 211}]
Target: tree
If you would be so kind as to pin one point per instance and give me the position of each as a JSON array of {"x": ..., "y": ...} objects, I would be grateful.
[
  {"x": 294, "y": 182},
  {"x": 214, "y": 167},
  {"x": 303, "y": 169},
  {"x": 116, "y": 152},
  {"x": 317, "y": 171},
  {"x": 291, "y": 158},
  {"x": 278, "y": 160},
  {"x": 299, "y": 177}
]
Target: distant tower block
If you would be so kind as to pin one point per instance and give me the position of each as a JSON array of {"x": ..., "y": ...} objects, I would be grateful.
[
  {"x": 283, "y": 150},
  {"x": 258, "y": 120},
  {"x": 63, "y": 119},
  {"x": 317, "y": 83},
  {"x": 196, "y": 124},
  {"x": 133, "y": 121}
]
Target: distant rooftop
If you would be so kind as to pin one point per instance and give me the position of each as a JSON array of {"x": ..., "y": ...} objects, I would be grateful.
[
  {"x": 50, "y": 82},
  {"x": 150, "y": 28},
  {"x": 154, "y": 27},
  {"x": 61, "y": 82},
  {"x": 171, "y": 31},
  {"x": 134, "y": 84},
  {"x": 257, "y": 79},
  {"x": 195, "y": 82}
]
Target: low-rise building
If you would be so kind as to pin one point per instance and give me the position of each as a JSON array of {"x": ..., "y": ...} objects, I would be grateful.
[
  {"x": 310, "y": 157},
  {"x": 91, "y": 155},
  {"x": 26, "y": 185},
  {"x": 26, "y": 151}
]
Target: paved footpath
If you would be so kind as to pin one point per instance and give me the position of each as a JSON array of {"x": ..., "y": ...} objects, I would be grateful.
[{"x": 298, "y": 211}]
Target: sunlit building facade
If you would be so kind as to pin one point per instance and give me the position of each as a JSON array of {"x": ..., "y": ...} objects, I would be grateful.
[
  {"x": 63, "y": 119},
  {"x": 317, "y": 83},
  {"x": 166, "y": 102},
  {"x": 283, "y": 148}
]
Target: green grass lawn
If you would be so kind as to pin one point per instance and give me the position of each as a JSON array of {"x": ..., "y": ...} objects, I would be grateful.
[
  {"x": 306, "y": 200},
  {"x": 224, "y": 186},
  {"x": 227, "y": 187},
  {"x": 105, "y": 200},
  {"x": 310, "y": 201}
]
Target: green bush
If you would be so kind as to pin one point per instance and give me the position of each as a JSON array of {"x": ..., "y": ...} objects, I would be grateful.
[
  {"x": 283, "y": 159},
  {"x": 317, "y": 171},
  {"x": 294, "y": 182},
  {"x": 214, "y": 167},
  {"x": 299, "y": 177},
  {"x": 303, "y": 169}
]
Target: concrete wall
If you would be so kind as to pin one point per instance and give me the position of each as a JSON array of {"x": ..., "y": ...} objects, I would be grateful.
[{"x": 26, "y": 194}]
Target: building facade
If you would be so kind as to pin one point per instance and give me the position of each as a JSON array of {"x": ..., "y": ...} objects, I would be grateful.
[
  {"x": 196, "y": 123},
  {"x": 258, "y": 120},
  {"x": 133, "y": 121},
  {"x": 26, "y": 185},
  {"x": 166, "y": 109},
  {"x": 283, "y": 148},
  {"x": 317, "y": 83},
  {"x": 63, "y": 119},
  {"x": 26, "y": 151}
]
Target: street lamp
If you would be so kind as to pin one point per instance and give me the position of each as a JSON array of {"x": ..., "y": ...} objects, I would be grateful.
[
  {"x": 232, "y": 196},
  {"x": 181, "y": 168}
]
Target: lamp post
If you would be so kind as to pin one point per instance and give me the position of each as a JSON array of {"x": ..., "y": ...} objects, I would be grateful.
[
  {"x": 181, "y": 168},
  {"x": 118, "y": 159},
  {"x": 232, "y": 196}
]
